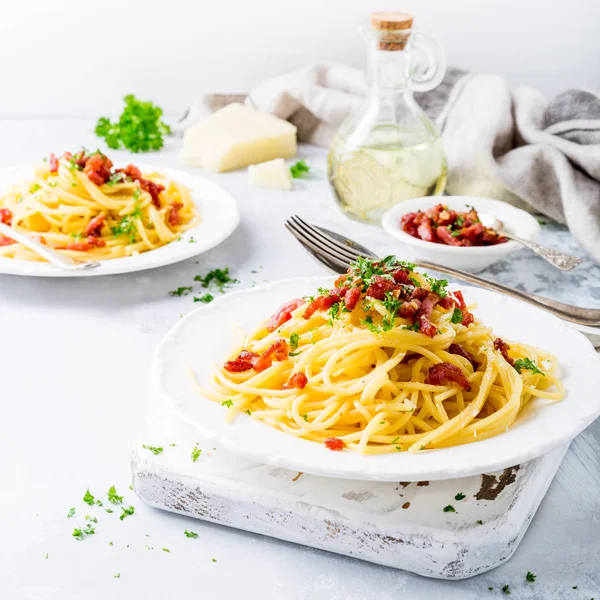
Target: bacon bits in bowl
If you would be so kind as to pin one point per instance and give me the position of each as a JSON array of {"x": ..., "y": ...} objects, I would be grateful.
[{"x": 455, "y": 231}]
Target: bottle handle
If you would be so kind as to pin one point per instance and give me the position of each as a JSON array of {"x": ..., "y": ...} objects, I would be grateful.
[{"x": 436, "y": 59}]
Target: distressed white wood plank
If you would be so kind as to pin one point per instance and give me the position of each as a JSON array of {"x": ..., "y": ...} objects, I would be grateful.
[{"x": 401, "y": 525}]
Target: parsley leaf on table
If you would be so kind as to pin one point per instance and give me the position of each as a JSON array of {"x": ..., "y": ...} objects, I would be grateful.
[
  {"x": 190, "y": 534},
  {"x": 126, "y": 512},
  {"x": 113, "y": 496},
  {"x": 154, "y": 449},
  {"x": 206, "y": 298},
  {"x": 298, "y": 169},
  {"x": 88, "y": 498},
  {"x": 196, "y": 452},
  {"x": 139, "y": 128}
]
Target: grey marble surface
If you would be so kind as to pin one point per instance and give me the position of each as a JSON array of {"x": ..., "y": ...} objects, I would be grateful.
[{"x": 76, "y": 357}]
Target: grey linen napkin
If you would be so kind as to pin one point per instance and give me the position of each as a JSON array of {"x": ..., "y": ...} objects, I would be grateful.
[{"x": 512, "y": 145}]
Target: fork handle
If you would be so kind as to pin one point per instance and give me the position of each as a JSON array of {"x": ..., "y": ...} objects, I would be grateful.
[
  {"x": 574, "y": 314},
  {"x": 560, "y": 260}
]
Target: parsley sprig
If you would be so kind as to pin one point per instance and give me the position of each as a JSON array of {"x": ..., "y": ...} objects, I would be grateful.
[
  {"x": 299, "y": 169},
  {"x": 139, "y": 128},
  {"x": 528, "y": 365}
]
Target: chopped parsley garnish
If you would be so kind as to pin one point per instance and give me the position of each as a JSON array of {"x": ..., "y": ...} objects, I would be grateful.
[
  {"x": 530, "y": 576},
  {"x": 248, "y": 412},
  {"x": 438, "y": 286},
  {"x": 416, "y": 326},
  {"x": 180, "y": 291},
  {"x": 196, "y": 452},
  {"x": 89, "y": 530},
  {"x": 227, "y": 403},
  {"x": 108, "y": 510},
  {"x": 206, "y": 298},
  {"x": 368, "y": 321},
  {"x": 165, "y": 550},
  {"x": 125, "y": 512},
  {"x": 529, "y": 365},
  {"x": 77, "y": 534},
  {"x": 334, "y": 312},
  {"x": 214, "y": 560},
  {"x": 457, "y": 316},
  {"x": 305, "y": 417},
  {"x": 115, "y": 178},
  {"x": 99, "y": 502},
  {"x": 191, "y": 240},
  {"x": 217, "y": 277},
  {"x": 506, "y": 589},
  {"x": 449, "y": 508},
  {"x": 92, "y": 519},
  {"x": 71, "y": 513},
  {"x": 459, "y": 496},
  {"x": 190, "y": 534},
  {"x": 154, "y": 449},
  {"x": 455, "y": 233},
  {"x": 299, "y": 169},
  {"x": 127, "y": 225},
  {"x": 113, "y": 496},
  {"x": 117, "y": 575},
  {"x": 88, "y": 498},
  {"x": 479, "y": 522},
  {"x": 139, "y": 128},
  {"x": 294, "y": 339}
]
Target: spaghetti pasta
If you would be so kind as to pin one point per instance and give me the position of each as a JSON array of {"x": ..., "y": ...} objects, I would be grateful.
[
  {"x": 388, "y": 360},
  {"x": 81, "y": 205}
]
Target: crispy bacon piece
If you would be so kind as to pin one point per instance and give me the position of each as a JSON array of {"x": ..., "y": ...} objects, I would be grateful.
[
  {"x": 447, "y": 238},
  {"x": 424, "y": 312},
  {"x": 334, "y": 443},
  {"x": 447, "y": 302},
  {"x": 426, "y": 232},
  {"x": 237, "y": 365},
  {"x": 97, "y": 168},
  {"x": 401, "y": 276},
  {"x": 419, "y": 293},
  {"x": 503, "y": 348},
  {"x": 322, "y": 303},
  {"x": 154, "y": 189},
  {"x": 173, "y": 216},
  {"x": 53, "y": 163},
  {"x": 426, "y": 326},
  {"x": 83, "y": 246},
  {"x": 460, "y": 351},
  {"x": 468, "y": 317},
  {"x": 284, "y": 314},
  {"x": 6, "y": 216},
  {"x": 297, "y": 380},
  {"x": 95, "y": 225},
  {"x": 6, "y": 241},
  {"x": 279, "y": 349},
  {"x": 444, "y": 373},
  {"x": 379, "y": 287},
  {"x": 409, "y": 308},
  {"x": 351, "y": 298}
]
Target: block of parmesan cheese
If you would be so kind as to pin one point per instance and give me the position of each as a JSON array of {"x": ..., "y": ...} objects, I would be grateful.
[
  {"x": 237, "y": 136},
  {"x": 272, "y": 175}
]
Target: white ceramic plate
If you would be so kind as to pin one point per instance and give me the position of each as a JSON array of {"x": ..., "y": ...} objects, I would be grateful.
[
  {"x": 207, "y": 336},
  {"x": 217, "y": 208},
  {"x": 475, "y": 258}
]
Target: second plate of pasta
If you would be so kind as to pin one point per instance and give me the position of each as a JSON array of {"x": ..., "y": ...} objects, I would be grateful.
[
  {"x": 401, "y": 379},
  {"x": 129, "y": 217}
]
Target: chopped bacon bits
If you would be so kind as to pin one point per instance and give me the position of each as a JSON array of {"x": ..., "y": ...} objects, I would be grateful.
[
  {"x": 426, "y": 326},
  {"x": 441, "y": 225},
  {"x": 322, "y": 303},
  {"x": 298, "y": 381},
  {"x": 83, "y": 246},
  {"x": 351, "y": 298},
  {"x": 237, "y": 365},
  {"x": 53, "y": 163},
  {"x": 460, "y": 351},
  {"x": 154, "y": 189},
  {"x": 284, "y": 314},
  {"x": 503, "y": 348},
  {"x": 468, "y": 317},
  {"x": 379, "y": 287},
  {"x": 97, "y": 168},
  {"x": 444, "y": 373},
  {"x": 401, "y": 276},
  {"x": 5, "y": 216},
  {"x": 173, "y": 216},
  {"x": 95, "y": 225},
  {"x": 334, "y": 443},
  {"x": 409, "y": 309}
]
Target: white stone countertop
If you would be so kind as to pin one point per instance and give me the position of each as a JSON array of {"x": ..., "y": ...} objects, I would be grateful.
[{"x": 75, "y": 372}]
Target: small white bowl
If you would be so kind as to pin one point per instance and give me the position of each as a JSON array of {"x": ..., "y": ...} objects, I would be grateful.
[{"x": 469, "y": 258}]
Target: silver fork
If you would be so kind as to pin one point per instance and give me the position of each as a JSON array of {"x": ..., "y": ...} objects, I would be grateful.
[
  {"x": 337, "y": 252},
  {"x": 53, "y": 256}
]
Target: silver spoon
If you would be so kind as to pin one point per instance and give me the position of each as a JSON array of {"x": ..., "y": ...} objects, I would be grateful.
[
  {"x": 560, "y": 260},
  {"x": 53, "y": 256}
]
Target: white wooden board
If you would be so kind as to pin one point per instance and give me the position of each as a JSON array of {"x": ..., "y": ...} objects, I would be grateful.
[{"x": 398, "y": 524}]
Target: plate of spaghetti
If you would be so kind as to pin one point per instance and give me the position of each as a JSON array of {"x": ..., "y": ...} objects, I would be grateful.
[
  {"x": 383, "y": 374},
  {"x": 128, "y": 217}
]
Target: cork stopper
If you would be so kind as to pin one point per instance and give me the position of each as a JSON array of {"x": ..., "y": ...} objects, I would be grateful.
[{"x": 392, "y": 28}]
